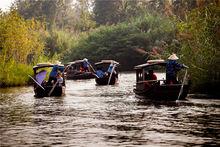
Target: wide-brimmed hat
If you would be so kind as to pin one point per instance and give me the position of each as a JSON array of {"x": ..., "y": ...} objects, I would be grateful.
[
  {"x": 57, "y": 63},
  {"x": 173, "y": 57},
  {"x": 85, "y": 59}
]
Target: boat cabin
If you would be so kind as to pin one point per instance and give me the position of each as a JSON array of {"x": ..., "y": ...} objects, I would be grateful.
[
  {"x": 104, "y": 64},
  {"x": 76, "y": 71},
  {"x": 142, "y": 69}
]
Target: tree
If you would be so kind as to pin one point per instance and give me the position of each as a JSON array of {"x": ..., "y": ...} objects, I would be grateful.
[
  {"x": 19, "y": 38},
  {"x": 83, "y": 15},
  {"x": 20, "y": 45},
  {"x": 124, "y": 41},
  {"x": 106, "y": 12},
  {"x": 54, "y": 12},
  {"x": 199, "y": 36}
]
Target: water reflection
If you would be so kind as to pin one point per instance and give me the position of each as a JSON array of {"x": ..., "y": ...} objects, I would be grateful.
[{"x": 90, "y": 115}]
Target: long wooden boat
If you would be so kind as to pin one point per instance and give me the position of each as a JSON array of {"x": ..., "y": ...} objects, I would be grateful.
[
  {"x": 44, "y": 89},
  {"x": 74, "y": 71},
  {"x": 109, "y": 78},
  {"x": 158, "y": 89}
]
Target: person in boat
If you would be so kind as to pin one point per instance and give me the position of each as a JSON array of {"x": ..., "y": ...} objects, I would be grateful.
[
  {"x": 86, "y": 65},
  {"x": 81, "y": 68},
  {"x": 54, "y": 72},
  {"x": 151, "y": 75},
  {"x": 109, "y": 71},
  {"x": 110, "y": 68},
  {"x": 59, "y": 79},
  {"x": 172, "y": 67},
  {"x": 100, "y": 73}
]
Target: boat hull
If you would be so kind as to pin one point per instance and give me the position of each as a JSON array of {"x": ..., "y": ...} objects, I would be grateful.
[
  {"x": 58, "y": 91},
  {"x": 162, "y": 92},
  {"x": 80, "y": 76},
  {"x": 104, "y": 81}
]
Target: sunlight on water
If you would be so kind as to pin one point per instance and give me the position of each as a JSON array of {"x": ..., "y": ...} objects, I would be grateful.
[{"x": 90, "y": 115}]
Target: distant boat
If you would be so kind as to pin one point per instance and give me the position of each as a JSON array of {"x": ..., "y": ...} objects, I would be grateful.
[
  {"x": 109, "y": 78},
  {"x": 75, "y": 71},
  {"x": 158, "y": 89},
  {"x": 41, "y": 87}
]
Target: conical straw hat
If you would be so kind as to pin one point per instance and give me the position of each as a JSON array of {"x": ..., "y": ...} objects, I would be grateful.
[
  {"x": 57, "y": 63},
  {"x": 173, "y": 57}
]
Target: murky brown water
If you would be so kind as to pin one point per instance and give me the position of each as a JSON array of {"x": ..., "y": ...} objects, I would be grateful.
[{"x": 90, "y": 115}]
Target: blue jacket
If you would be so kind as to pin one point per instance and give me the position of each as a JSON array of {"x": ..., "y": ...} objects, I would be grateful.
[
  {"x": 100, "y": 73},
  {"x": 85, "y": 64},
  {"x": 172, "y": 67},
  {"x": 110, "y": 68},
  {"x": 55, "y": 69}
]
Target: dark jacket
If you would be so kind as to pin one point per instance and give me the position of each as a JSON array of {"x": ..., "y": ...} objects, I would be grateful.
[{"x": 172, "y": 67}]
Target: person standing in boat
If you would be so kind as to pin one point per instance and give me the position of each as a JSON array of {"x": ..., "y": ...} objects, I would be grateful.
[
  {"x": 54, "y": 72},
  {"x": 109, "y": 71},
  {"x": 172, "y": 67},
  {"x": 86, "y": 64},
  {"x": 110, "y": 68}
]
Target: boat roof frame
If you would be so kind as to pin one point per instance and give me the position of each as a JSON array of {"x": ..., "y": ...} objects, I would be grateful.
[
  {"x": 44, "y": 65},
  {"x": 150, "y": 63},
  {"x": 106, "y": 62},
  {"x": 75, "y": 62}
]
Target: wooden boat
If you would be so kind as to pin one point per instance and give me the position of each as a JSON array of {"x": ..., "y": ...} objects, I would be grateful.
[
  {"x": 158, "y": 89},
  {"x": 109, "y": 78},
  {"x": 75, "y": 72},
  {"x": 42, "y": 88}
]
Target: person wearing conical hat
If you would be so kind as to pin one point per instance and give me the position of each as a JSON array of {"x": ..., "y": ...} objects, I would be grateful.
[
  {"x": 172, "y": 67},
  {"x": 173, "y": 57}
]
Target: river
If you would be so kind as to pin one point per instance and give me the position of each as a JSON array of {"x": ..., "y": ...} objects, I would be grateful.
[{"x": 90, "y": 115}]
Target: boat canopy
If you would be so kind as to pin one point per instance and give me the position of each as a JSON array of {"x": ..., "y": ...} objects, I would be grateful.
[
  {"x": 150, "y": 63},
  {"x": 75, "y": 62},
  {"x": 106, "y": 62},
  {"x": 43, "y": 65}
]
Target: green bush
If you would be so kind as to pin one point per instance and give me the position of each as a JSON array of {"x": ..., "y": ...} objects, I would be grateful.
[
  {"x": 21, "y": 45},
  {"x": 15, "y": 74},
  {"x": 199, "y": 36},
  {"x": 57, "y": 41},
  {"x": 120, "y": 42}
]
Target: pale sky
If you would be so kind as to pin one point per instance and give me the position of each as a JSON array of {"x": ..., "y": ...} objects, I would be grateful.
[{"x": 5, "y": 4}]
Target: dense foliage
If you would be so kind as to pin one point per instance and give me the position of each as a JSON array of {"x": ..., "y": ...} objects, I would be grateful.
[
  {"x": 58, "y": 14},
  {"x": 20, "y": 44},
  {"x": 123, "y": 42},
  {"x": 200, "y": 39}
]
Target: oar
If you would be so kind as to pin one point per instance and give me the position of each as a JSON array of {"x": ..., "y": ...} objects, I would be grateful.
[
  {"x": 181, "y": 89},
  {"x": 52, "y": 88},
  {"x": 109, "y": 79},
  {"x": 36, "y": 82},
  {"x": 91, "y": 67},
  {"x": 93, "y": 70}
]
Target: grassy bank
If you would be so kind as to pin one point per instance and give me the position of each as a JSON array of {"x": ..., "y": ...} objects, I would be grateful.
[{"x": 14, "y": 74}]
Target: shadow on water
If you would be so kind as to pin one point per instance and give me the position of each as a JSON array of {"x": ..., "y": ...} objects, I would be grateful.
[{"x": 90, "y": 115}]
